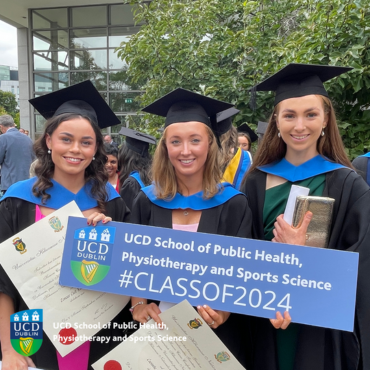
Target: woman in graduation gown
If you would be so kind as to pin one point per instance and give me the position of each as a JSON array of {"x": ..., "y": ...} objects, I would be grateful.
[
  {"x": 362, "y": 166},
  {"x": 302, "y": 146},
  {"x": 70, "y": 167},
  {"x": 111, "y": 165},
  {"x": 135, "y": 164},
  {"x": 187, "y": 195},
  {"x": 235, "y": 161}
]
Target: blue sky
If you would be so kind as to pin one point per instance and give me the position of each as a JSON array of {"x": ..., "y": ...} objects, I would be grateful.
[{"x": 8, "y": 45}]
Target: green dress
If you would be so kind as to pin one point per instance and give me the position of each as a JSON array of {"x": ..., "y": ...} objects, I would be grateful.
[{"x": 276, "y": 199}]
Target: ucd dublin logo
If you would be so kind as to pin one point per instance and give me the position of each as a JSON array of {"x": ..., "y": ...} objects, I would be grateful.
[
  {"x": 26, "y": 331},
  {"x": 92, "y": 253}
]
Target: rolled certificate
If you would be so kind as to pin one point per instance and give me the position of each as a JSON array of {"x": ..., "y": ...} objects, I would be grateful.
[{"x": 319, "y": 227}]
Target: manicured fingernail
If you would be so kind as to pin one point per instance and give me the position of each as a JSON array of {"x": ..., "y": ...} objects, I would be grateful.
[
  {"x": 88, "y": 222},
  {"x": 198, "y": 307},
  {"x": 104, "y": 221},
  {"x": 205, "y": 306}
]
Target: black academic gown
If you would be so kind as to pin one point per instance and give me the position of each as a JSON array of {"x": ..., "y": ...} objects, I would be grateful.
[
  {"x": 319, "y": 348},
  {"x": 129, "y": 190},
  {"x": 232, "y": 218},
  {"x": 360, "y": 163},
  {"x": 15, "y": 216}
]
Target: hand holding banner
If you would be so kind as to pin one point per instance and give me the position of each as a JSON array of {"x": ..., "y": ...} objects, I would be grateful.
[{"x": 317, "y": 286}]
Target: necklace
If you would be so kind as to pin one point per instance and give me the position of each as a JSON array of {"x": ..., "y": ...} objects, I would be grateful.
[{"x": 186, "y": 213}]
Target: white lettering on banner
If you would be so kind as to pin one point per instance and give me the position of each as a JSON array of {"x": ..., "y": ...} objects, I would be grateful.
[{"x": 210, "y": 291}]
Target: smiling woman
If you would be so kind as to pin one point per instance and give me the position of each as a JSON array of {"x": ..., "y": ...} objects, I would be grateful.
[
  {"x": 187, "y": 194},
  {"x": 71, "y": 161},
  {"x": 302, "y": 146}
]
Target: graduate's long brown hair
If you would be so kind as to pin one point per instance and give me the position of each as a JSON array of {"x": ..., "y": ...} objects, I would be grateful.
[
  {"x": 164, "y": 176},
  {"x": 273, "y": 148}
]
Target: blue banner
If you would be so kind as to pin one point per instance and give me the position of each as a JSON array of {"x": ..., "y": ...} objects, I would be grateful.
[{"x": 317, "y": 286}]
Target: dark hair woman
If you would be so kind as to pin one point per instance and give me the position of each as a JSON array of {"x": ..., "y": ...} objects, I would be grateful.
[
  {"x": 302, "y": 145},
  {"x": 112, "y": 165},
  {"x": 135, "y": 164},
  {"x": 71, "y": 161}
]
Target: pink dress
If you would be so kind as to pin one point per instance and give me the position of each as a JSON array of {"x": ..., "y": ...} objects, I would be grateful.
[{"x": 79, "y": 358}]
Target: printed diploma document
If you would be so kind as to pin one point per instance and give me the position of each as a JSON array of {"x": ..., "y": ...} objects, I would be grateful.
[
  {"x": 32, "y": 260},
  {"x": 185, "y": 342}
]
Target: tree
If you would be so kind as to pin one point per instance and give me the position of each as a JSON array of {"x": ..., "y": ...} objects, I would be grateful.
[
  {"x": 223, "y": 48},
  {"x": 8, "y": 102}
]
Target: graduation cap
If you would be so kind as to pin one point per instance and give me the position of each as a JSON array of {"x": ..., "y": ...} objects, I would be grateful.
[
  {"x": 182, "y": 105},
  {"x": 247, "y": 130},
  {"x": 296, "y": 80},
  {"x": 224, "y": 120},
  {"x": 261, "y": 127},
  {"x": 82, "y": 98},
  {"x": 137, "y": 141}
]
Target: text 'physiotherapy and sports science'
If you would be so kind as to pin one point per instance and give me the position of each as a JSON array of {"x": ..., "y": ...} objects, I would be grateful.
[{"x": 231, "y": 274}]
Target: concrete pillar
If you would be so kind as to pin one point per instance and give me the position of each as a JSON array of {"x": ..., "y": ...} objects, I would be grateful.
[{"x": 24, "y": 81}]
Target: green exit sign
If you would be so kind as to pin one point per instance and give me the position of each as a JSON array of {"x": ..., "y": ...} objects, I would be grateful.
[{"x": 128, "y": 100}]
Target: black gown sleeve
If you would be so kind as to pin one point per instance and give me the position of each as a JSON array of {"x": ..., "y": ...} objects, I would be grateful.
[
  {"x": 360, "y": 163},
  {"x": 118, "y": 210},
  {"x": 129, "y": 191},
  {"x": 141, "y": 210}
]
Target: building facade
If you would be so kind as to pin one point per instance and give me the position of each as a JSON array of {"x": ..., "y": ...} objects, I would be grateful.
[{"x": 66, "y": 45}]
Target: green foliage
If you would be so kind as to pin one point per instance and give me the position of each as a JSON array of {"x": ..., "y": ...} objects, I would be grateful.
[
  {"x": 222, "y": 48},
  {"x": 17, "y": 120},
  {"x": 8, "y": 102}
]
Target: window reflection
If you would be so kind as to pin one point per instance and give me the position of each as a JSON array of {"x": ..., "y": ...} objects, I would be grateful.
[
  {"x": 50, "y": 40},
  {"x": 48, "y": 82},
  {"x": 124, "y": 102},
  {"x": 88, "y": 38},
  {"x": 89, "y": 16},
  {"x": 89, "y": 59},
  {"x": 50, "y": 60},
  {"x": 99, "y": 79},
  {"x": 120, "y": 34},
  {"x": 50, "y": 18}
]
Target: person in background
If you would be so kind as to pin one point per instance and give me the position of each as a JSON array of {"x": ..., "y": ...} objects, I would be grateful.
[
  {"x": 234, "y": 161},
  {"x": 302, "y": 146},
  {"x": 362, "y": 164},
  {"x": 246, "y": 137},
  {"x": 112, "y": 165},
  {"x": 22, "y": 131},
  {"x": 134, "y": 163},
  {"x": 16, "y": 154},
  {"x": 108, "y": 139},
  {"x": 27, "y": 132}
]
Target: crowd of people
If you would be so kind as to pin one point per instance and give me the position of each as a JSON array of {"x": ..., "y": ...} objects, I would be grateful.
[{"x": 201, "y": 178}]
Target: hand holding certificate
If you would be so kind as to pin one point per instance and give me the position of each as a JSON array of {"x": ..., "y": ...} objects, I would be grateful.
[
  {"x": 185, "y": 342},
  {"x": 33, "y": 260}
]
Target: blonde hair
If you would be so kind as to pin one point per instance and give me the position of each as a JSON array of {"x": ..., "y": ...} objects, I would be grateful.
[
  {"x": 164, "y": 176},
  {"x": 229, "y": 141},
  {"x": 330, "y": 145}
]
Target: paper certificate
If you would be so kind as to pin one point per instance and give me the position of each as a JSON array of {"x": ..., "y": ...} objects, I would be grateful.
[
  {"x": 186, "y": 342},
  {"x": 33, "y": 261}
]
